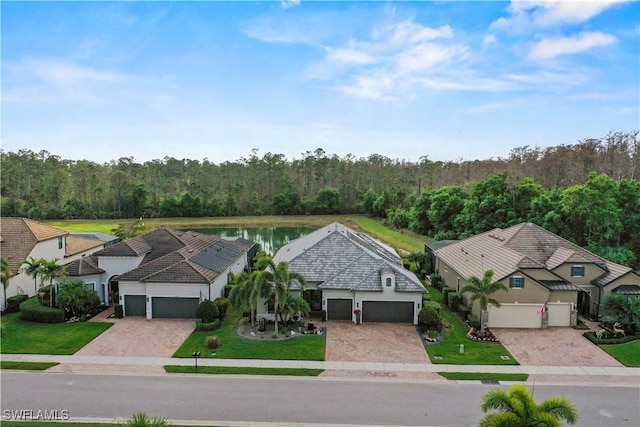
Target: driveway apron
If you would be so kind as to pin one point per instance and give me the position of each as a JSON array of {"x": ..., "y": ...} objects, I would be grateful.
[{"x": 553, "y": 347}]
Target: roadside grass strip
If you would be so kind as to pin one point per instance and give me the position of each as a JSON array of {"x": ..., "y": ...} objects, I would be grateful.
[
  {"x": 303, "y": 347},
  {"x": 238, "y": 370},
  {"x": 22, "y": 337},
  {"x": 628, "y": 353},
  {"x": 27, "y": 366},
  {"x": 483, "y": 376}
]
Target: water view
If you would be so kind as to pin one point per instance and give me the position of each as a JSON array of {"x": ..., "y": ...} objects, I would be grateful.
[{"x": 271, "y": 239}]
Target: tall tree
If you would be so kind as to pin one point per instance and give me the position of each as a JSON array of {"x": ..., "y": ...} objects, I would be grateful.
[
  {"x": 51, "y": 271},
  {"x": 516, "y": 407},
  {"x": 480, "y": 290},
  {"x": 276, "y": 281}
]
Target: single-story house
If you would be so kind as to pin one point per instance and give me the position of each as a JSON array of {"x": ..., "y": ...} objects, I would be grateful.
[
  {"x": 163, "y": 273},
  {"x": 549, "y": 278},
  {"x": 21, "y": 238},
  {"x": 347, "y": 271}
]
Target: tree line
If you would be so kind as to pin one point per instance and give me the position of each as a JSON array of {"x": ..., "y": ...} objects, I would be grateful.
[{"x": 586, "y": 192}]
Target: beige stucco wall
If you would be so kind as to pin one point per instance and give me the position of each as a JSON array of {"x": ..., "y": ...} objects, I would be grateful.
[
  {"x": 591, "y": 272},
  {"x": 627, "y": 279},
  {"x": 564, "y": 296}
]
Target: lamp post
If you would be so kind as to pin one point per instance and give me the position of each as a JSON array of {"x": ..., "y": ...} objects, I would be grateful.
[{"x": 195, "y": 356}]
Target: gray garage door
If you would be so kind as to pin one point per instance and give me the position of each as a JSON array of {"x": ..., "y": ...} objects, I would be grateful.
[
  {"x": 387, "y": 311},
  {"x": 339, "y": 309},
  {"x": 173, "y": 307},
  {"x": 135, "y": 305}
]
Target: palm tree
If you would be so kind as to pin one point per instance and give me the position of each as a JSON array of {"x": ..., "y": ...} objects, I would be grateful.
[
  {"x": 34, "y": 269},
  {"x": 245, "y": 293},
  {"x": 480, "y": 290},
  {"x": 293, "y": 306},
  {"x": 51, "y": 271},
  {"x": 517, "y": 408},
  {"x": 275, "y": 282},
  {"x": 5, "y": 274}
]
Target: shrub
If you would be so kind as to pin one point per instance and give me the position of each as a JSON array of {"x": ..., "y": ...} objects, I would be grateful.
[
  {"x": 433, "y": 304},
  {"x": 436, "y": 281},
  {"x": 207, "y": 311},
  {"x": 430, "y": 318},
  {"x": 455, "y": 300},
  {"x": 118, "y": 311},
  {"x": 13, "y": 303},
  {"x": 426, "y": 297},
  {"x": 223, "y": 305},
  {"x": 473, "y": 321},
  {"x": 140, "y": 419},
  {"x": 209, "y": 326},
  {"x": 76, "y": 299},
  {"x": 227, "y": 290},
  {"x": 591, "y": 336},
  {"x": 32, "y": 311},
  {"x": 47, "y": 295},
  {"x": 212, "y": 342},
  {"x": 445, "y": 295}
]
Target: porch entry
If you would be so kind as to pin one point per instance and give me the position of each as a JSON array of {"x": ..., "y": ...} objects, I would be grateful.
[{"x": 314, "y": 298}]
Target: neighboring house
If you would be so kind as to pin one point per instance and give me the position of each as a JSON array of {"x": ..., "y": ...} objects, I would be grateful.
[
  {"x": 163, "y": 273},
  {"x": 21, "y": 238},
  {"x": 549, "y": 278},
  {"x": 346, "y": 270}
]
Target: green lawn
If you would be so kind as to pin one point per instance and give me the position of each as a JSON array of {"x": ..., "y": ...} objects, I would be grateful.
[
  {"x": 237, "y": 370},
  {"x": 483, "y": 376},
  {"x": 628, "y": 353},
  {"x": 45, "y": 338},
  {"x": 475, "y": 353},
  {"x": 303, "y": 347},
  {"x": 27, "y": 366}
]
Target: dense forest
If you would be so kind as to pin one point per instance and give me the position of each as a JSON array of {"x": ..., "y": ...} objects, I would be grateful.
[{"x": 587, "y": 192}]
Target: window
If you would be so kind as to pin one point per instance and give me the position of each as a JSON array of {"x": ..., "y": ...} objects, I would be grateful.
[
  {"x": 91, "y": 286},
  {"x": 388, "y": 282},
  {"x": 577, "y": 271},
  {"x": 60, "y": 242},
  {"x": 516, "y": 282}
]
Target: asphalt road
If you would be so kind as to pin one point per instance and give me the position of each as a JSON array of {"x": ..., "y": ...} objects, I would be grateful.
[{"x": 290, "y": 400}]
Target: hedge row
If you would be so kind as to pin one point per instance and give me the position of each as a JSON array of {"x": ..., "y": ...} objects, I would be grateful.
[
  {"x": 209, "y": 326},
  {"x": 31, "y": 310},
  {"x": 591, "y": 336},
  {"x": 13, "y": 303}
]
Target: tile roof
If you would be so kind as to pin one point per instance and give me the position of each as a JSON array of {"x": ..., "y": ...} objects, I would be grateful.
[
  {"x": 525, "y": 245},
  {"x": 337, "y": 257},
  {"x": 627, "y": 290},
  {"x": 76, "y": 244},
  {"x": 18, "y": 237},
  {"x": 183, "y": 257},
  {"x": 86, "y": 266}
]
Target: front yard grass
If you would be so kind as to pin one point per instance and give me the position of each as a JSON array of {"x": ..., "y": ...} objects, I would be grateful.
[
  {"x": 238, "y": 370},
  {"x": 628, "y": 353},
  {"x": 27, "y": 366},
  {"x": 447, "y": 351},
  {"x": 22, "y": 337},
  {"x": 303, "y": 347},
  {"x": 483, "y": 376}
]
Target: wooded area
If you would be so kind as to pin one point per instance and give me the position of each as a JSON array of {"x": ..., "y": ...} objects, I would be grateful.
[{"x": 587, "y": 192}]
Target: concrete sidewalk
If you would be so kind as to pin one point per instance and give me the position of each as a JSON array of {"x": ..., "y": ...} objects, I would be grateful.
[{"x": 632, "y": 374}]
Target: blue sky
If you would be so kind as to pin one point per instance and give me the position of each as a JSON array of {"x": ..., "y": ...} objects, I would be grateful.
[{"x": 448, "y": 80}]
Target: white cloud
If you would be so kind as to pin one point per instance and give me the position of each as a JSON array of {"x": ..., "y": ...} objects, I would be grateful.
[
  {"x": 489, "y": 39},
  {"x": 287, "y": 4},
  {"x": 64, "y": 73},
  {"x": 552, "y": 47},
  {"x": 525, "y": 15},
  {"x": 348, "y": 56}
]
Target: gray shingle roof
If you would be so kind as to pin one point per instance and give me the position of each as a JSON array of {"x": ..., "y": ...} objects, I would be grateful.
[{"x": 339, "y": 258}]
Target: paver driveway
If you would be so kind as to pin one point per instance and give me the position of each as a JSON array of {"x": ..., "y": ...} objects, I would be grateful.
[
  {"x": 137, "y": 336},
  {"x": 374, "y": 342},
  {"x": 553, "y": 347}
]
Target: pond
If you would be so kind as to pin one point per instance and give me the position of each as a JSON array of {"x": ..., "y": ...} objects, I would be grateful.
[{"x": 271, "y": 239}]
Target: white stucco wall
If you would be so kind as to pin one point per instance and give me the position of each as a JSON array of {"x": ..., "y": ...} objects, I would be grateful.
[{"x": 118, "y": 265}]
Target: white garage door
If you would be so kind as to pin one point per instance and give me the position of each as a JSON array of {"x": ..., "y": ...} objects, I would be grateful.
[
  {"x": 559, "y": 314},
  {"x": 515, "y": 316}
]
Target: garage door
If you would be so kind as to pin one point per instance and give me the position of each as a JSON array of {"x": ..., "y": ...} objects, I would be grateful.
[
  {"x": 515, "y": 316},
  {"x": 163, "y": 307},
  {"x": 135, "y": 305},
  {"x": 387, "y": 311},
  {"x": 339, "y": 309},
  {"x": 559, "y": 314}
]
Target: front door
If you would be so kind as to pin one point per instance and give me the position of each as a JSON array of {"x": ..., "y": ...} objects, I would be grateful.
[
  {"x": 584, "y": 303},
  {"x": 314, "y": 298}
]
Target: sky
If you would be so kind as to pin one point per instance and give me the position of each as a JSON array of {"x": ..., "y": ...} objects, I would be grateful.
[{"x": 449, "y": 80}]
